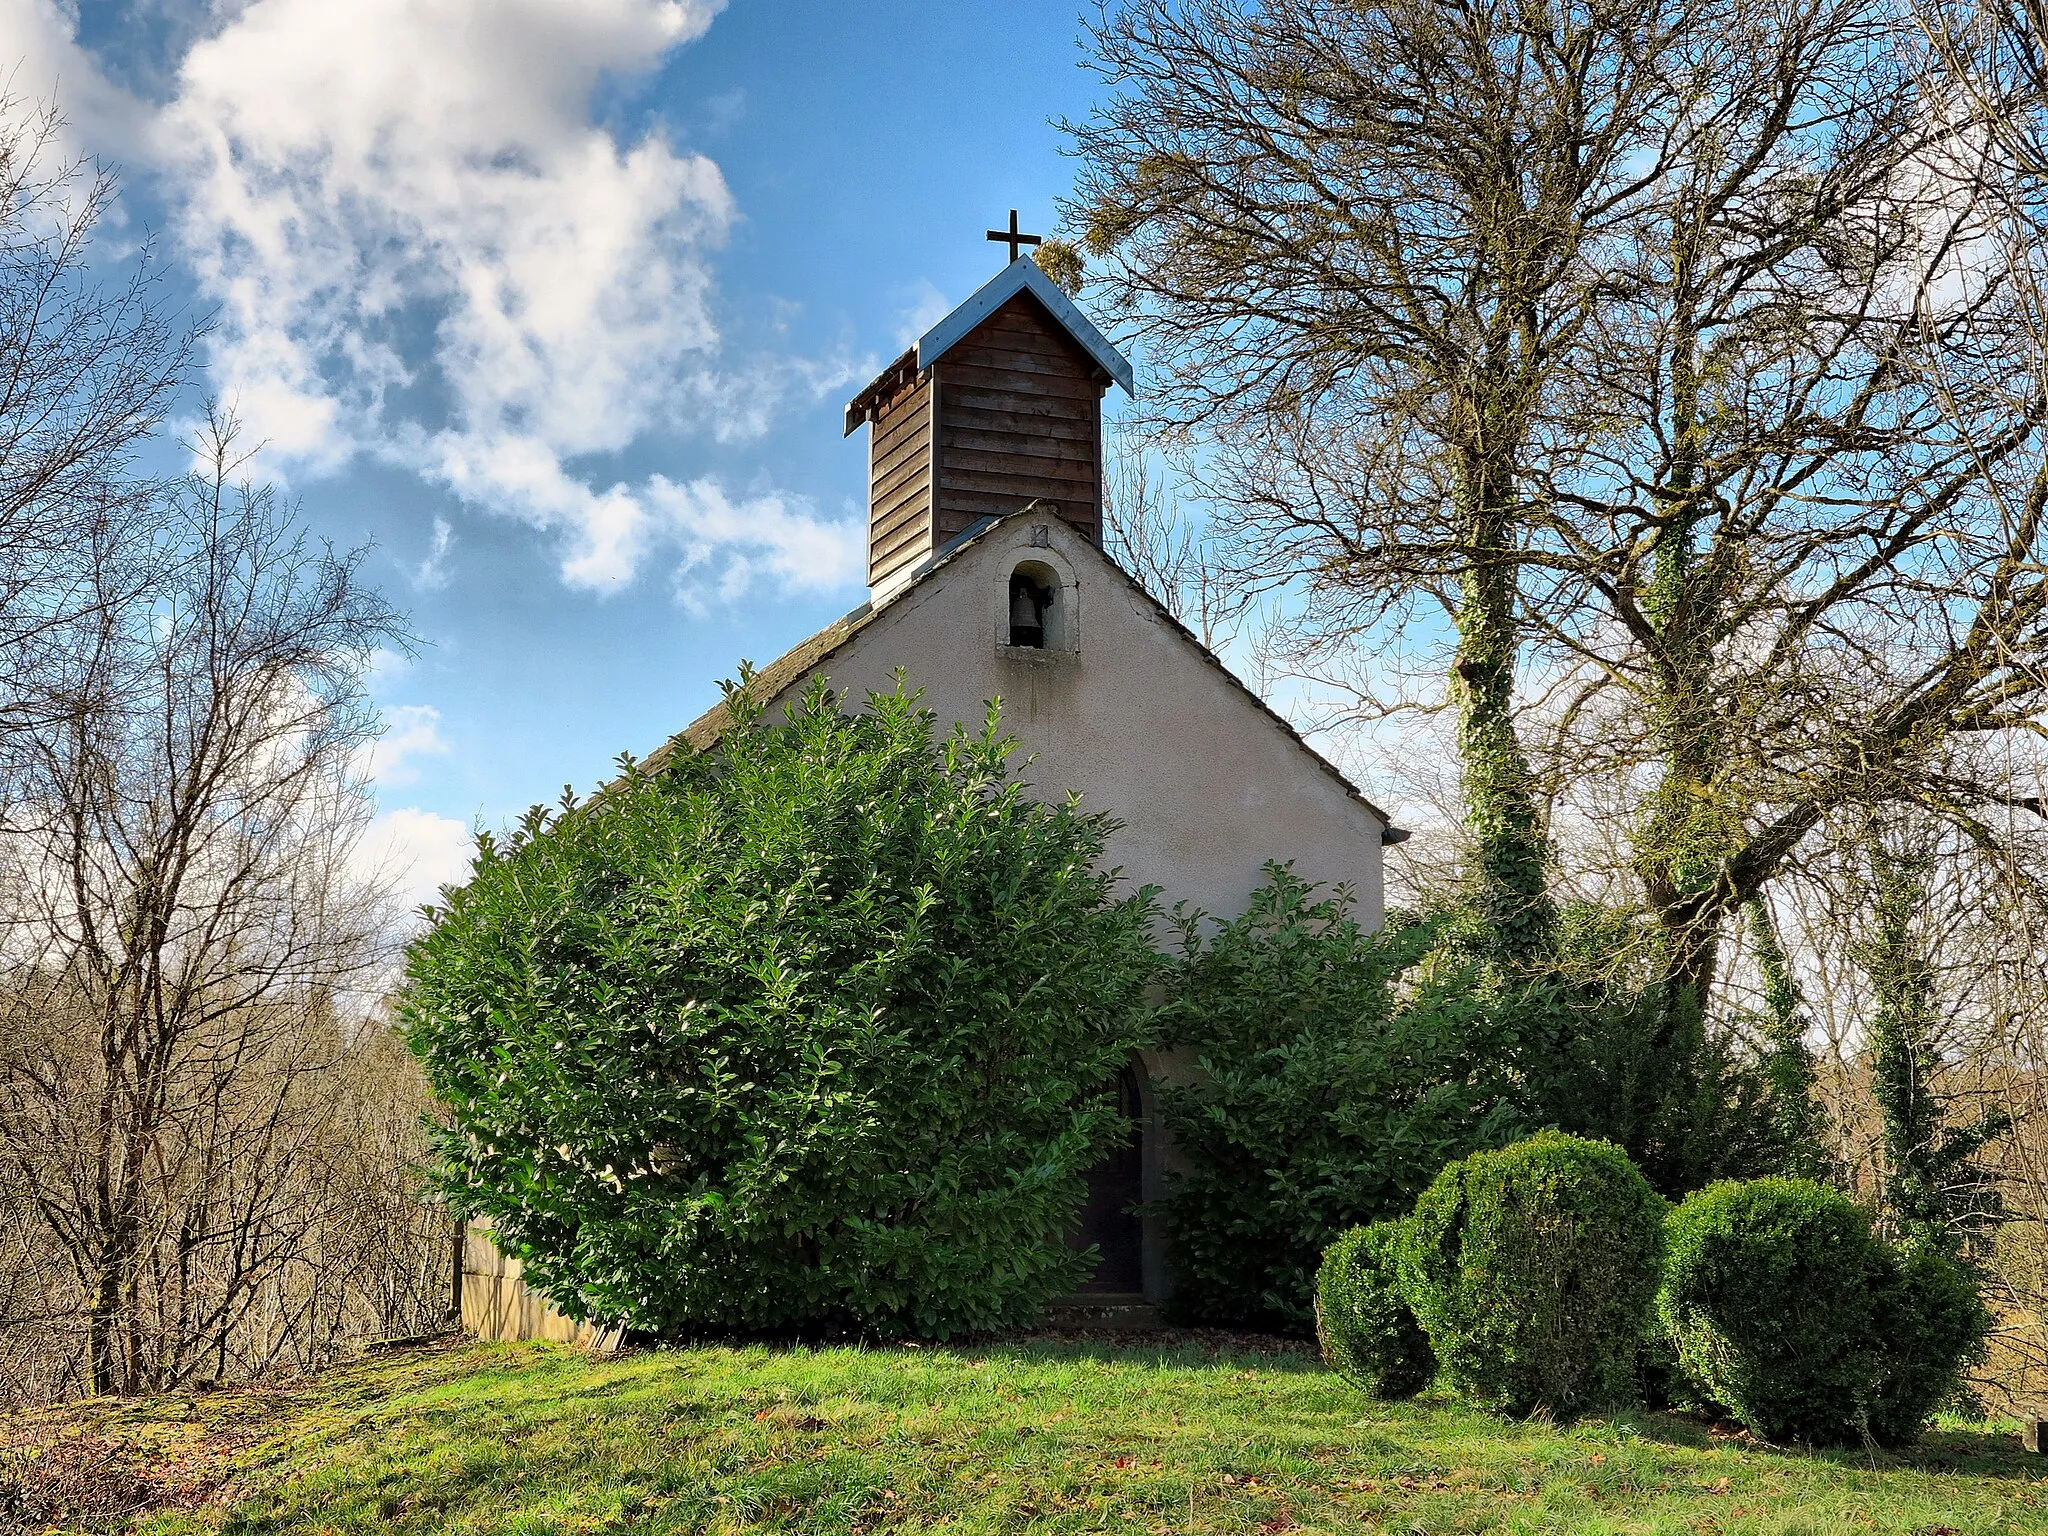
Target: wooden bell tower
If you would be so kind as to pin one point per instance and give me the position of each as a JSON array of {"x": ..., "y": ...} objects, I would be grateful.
[{"x": 997, "y": 406}]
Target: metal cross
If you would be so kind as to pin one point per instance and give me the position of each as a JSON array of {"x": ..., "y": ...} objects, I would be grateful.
[{"x": 1011, "y": 237}]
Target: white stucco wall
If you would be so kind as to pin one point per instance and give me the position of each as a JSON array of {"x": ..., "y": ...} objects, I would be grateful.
[{"x": 1129, "y": 714}]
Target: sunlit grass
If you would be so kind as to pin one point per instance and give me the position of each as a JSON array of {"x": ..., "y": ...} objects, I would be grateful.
[{"x": 1033, "y": 1436}]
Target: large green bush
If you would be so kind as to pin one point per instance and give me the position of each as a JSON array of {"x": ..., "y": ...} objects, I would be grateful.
[
  {"x": 1533, "y": 1271},
  {"x": 1325, "y": 1100},
  {"x": 1774, "y": 1293},
  {"x": 1368, "y": 1332},
  {"x": 1603, "y": 1055},
  {"x": 804, "y": 1032}
]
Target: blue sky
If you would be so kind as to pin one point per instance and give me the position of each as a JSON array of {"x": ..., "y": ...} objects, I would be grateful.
[{"x": 557, "y": 303}]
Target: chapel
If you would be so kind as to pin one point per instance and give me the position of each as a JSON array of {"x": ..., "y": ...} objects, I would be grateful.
[{"x": 987, "y": 579}]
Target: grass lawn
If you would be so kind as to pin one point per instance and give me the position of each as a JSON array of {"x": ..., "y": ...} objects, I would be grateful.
[{"x": 1037, "y": 1435}]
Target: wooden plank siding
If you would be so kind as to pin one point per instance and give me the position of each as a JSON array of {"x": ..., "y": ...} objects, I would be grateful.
[
  {"x": 1012, "y": 413},
  {"x": 1019, "y": 416},
  {"x": 900, "y": 483}
]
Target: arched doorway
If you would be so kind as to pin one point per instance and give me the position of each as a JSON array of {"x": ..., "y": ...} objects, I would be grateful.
[{"x": 1116, "y": 1185}]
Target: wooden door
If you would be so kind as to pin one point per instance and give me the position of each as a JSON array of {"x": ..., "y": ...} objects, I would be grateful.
[{"x": 1109, "y": 1221}]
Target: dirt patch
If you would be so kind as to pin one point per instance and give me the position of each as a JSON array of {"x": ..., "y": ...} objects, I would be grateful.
[
  {"x": 96, "y": 1466},
  {"x": 85, "y": 1484},
  {"x": 99, "y": 1464}
]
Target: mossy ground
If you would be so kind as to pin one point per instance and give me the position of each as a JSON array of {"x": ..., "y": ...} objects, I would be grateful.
[{"x": 1037, "y": 1435}]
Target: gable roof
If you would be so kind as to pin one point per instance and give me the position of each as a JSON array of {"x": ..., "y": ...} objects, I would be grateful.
[
  {"x": 1024, "y": 276},
  {"x": 1020, "y": 276},
  {"x": 794, "y": 665}
]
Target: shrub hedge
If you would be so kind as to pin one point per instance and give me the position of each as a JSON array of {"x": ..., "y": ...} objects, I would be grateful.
[
  {"x": 806, "y": 1032},
  {"x": 1327, "y": 1100},
  {"x": 1368, "y": 1332},
  {"x": 1533, "y": 1270}
]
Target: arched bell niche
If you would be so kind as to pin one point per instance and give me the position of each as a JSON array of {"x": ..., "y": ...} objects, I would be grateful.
[{"x": 1038, "y": 607}]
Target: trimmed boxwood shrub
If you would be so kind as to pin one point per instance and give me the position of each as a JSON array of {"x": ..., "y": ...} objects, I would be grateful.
[
  {"x": 1774, "y": 1294},
  {"x": 1789, "y": 1310},
  {"x": 1368, "y": 1333},
  {"x": 803, "y": 1033},
  {"x": 1533, "y": 1270},
  {"x": 1932, "y": 1329}
]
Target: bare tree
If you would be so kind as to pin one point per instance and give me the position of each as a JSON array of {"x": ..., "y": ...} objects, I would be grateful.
[
  {"x": 185, "y": 921},
  {"x": 1980, "y": 1021},
  {"x": 1697, "y": 291},
  {"x": 1807, "y": 555},
  {"x": 1784, "y": 584},
  {"x": 1172, "y": 559},
  {"x": 208, "y": 1150},
  {"x": 87, "y": 371},
  {"x": 1359, "y": 235}
]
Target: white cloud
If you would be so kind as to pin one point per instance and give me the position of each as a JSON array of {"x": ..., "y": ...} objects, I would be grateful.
[
  {"x": 423, "y": 247},
  {"x": 345, "y": 165},
  {"x": 431, "y": 574},
  {"x": 927, "y": 307},
  {"x": 417, "y": 852},
  {"x": 41, "y": 62},
  {"x": 411, "y": 731},
  {"x": 791, "y": 544}
]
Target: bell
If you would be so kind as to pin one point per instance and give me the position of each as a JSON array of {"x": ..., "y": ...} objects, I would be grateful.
[
  {"x": 1027, "y": 612},
  {"x": 1023, "y": 606}
]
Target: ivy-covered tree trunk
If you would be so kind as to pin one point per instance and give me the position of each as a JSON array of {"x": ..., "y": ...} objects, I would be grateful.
[
  {"x": 1513, "y": 912},
  {"x": 1935, "y": 1190},
  {"x": 1688, "y": 826},
  {"x": 1679, "y": 855},
  {"x": 1788, "y": 1064},
  {"x": 1684, "y": 832}
]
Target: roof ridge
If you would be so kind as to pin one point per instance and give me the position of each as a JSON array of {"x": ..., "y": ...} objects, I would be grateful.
[{"x": 1025, "y": 276}]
